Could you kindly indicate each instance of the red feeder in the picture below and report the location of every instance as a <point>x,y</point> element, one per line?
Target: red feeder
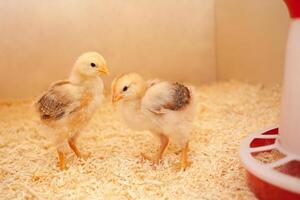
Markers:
<point>280,180</point>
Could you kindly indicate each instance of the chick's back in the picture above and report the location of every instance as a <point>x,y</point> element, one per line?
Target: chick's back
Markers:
<point>165,96</point>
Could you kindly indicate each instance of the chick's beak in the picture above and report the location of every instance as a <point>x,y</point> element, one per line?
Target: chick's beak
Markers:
<point>117,98</point>
<point>103,70</point>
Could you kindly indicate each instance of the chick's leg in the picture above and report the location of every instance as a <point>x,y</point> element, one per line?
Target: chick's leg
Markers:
<point>164,141</point>
<point>61,160</point>
<point>72,144</point>
<point>184,157</point>
<point>61,149</point>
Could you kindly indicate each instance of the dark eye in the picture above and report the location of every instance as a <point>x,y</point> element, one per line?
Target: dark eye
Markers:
<point>93,65</point>
<point>125,89</point>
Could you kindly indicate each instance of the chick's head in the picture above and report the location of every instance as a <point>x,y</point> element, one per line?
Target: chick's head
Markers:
<point>128,87</point>
<point>90,64</point>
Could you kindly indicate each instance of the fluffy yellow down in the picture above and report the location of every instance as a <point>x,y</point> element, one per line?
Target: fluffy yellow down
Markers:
<point>227,112</point>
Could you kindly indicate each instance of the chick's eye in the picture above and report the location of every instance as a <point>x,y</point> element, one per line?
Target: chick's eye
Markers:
<point>125,88</point>
<point>93,65</point>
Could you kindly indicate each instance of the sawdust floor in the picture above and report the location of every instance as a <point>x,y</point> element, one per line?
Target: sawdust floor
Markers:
<point>227,112</point>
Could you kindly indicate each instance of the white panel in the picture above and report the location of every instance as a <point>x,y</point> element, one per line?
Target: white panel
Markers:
<point>39,40</point>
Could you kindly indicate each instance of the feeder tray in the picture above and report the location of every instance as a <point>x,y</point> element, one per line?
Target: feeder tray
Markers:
<point>277,179</point>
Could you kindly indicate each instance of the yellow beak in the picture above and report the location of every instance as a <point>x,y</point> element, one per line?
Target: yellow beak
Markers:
<point>103,71</point>
<point>116,98</point>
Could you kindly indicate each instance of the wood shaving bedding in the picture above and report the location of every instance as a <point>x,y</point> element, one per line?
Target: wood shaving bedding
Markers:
<point>268,156</point>
<point>227,112</point>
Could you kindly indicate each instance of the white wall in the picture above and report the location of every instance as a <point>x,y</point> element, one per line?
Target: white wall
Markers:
<point>251,40</point>
<point>171,39</point>
<point>40,39</point>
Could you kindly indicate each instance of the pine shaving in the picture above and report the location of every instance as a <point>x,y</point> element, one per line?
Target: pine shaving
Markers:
<point>227,113</point>
<point>269,157</point>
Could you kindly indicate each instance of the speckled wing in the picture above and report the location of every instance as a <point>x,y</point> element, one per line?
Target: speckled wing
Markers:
<point>55,103</point>
<point>165,96</point>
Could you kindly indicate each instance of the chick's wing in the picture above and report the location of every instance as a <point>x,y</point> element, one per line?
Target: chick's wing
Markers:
<point>165,96</point>
<point>56,102</point>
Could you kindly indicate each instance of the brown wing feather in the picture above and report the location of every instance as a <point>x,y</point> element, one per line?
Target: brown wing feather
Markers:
<point>52,105</point>
<point>181,97</point>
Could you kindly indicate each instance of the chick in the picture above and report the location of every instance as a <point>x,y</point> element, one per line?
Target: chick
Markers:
<point>68,105</point>
<point>164,108</point>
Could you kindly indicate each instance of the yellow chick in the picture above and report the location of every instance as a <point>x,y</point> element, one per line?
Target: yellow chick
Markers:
<point>164,108</point>
<point>68,105</point>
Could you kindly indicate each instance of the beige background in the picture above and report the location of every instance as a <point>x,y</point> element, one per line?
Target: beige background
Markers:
<point>185,40</point>
<point>251,39</point>
<point>39,40</point>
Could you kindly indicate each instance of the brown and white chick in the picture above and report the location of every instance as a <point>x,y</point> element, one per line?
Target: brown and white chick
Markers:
<point>68,105</point>
<point>164,108</point>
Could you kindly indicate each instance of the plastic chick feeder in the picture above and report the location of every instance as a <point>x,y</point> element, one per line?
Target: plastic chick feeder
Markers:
<point>280,179</point>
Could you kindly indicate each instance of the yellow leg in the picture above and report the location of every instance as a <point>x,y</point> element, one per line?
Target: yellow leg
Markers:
<point>184,157</point>
<point>61,160</point>
<point>73,146</point>
<point>164,141</point>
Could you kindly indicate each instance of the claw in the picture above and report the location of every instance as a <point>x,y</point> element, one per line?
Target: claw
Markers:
<point>185,165</point>
<point>80,155</point>
<point>154,162</point>
<point>85,156</point>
